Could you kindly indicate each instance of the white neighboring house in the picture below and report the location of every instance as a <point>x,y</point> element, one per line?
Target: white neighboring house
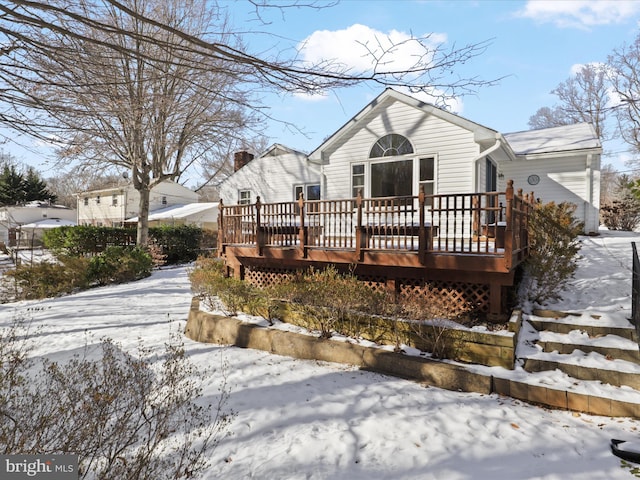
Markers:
<point>399,144</point>
<point>14,218</point>
<point>203,215</point>
<point>278,175</point>
<point>111,207</point>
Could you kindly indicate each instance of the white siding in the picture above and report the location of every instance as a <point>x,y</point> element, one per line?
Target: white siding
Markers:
<point>563,179</point>
<point>452,146</point>
<point>272,178</point>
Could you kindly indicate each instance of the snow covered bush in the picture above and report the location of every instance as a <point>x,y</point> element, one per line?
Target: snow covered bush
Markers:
<point>125,416</point>
<point>554,246</point>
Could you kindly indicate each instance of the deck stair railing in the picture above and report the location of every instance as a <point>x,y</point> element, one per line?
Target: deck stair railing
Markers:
<point>490,223</point>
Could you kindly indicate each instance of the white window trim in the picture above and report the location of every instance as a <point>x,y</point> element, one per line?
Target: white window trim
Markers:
<point>415,188</point>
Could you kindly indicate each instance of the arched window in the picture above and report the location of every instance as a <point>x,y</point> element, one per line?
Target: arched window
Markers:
<point>390,146</point>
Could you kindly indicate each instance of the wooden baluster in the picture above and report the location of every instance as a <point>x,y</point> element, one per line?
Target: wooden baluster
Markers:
<point>260,240</point>
<point>221,228</point>
<point>302,232</point>
<point>360,235</point>
<point>423,242</point>
<point>508,233</point>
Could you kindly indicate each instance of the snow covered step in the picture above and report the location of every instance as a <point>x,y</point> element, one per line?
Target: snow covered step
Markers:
<point>589,367</point>
<point>610,346</point>
<point>593,328</point>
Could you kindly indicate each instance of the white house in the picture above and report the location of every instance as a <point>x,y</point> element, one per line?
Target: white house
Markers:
<point>278,175</point>
<point>398,144</point>
<point>111,207</point>
<point>13,218</point>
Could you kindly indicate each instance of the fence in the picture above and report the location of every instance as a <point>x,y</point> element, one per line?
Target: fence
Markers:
<point>635,290</point>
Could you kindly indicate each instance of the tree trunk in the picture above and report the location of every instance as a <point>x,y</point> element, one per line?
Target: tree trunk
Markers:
<point>142,238</point>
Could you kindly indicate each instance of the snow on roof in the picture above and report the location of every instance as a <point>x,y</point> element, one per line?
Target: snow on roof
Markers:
<point>556,139</point>
<point>48,223</point>
<point>178,211</point>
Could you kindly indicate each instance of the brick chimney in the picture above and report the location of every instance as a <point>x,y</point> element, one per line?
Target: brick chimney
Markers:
<point>240,159</point>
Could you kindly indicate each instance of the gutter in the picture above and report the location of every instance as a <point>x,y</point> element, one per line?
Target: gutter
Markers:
<point>482,155</point>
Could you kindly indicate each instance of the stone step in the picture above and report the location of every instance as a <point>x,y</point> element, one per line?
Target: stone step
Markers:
<point>628,332</point>
<point>613,347</point>
<point>620,372</point>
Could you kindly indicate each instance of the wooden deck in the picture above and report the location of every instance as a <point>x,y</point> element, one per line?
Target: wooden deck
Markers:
<point>473,238</point>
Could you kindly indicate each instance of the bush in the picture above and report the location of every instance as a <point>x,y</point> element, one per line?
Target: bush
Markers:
<point>218,291</point>
<point>554,247</point>
<point>85,240</point>
<point>119,265</point>
<point>125,417</point>
<point>48,279</point>
<point>180,244</point>
<point>335,299</point>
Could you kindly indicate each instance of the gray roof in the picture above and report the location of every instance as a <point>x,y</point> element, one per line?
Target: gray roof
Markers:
<point>580,136</point>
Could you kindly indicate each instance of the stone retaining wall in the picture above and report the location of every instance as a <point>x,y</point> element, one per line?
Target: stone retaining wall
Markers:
<point>209,328</point>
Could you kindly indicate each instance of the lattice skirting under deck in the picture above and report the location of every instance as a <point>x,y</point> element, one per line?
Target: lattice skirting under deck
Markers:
<point>453,299</point>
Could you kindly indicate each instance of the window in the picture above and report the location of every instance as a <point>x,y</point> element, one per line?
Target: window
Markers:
<point>427,177</point>
<point>357,179</point>
<point>86,201</point>
<point>311,191</point>
<point>164,200</point>
<point>114,200</point>
<point>391,145</point>
<point>244,197</point>
<point>98,199</point>
<point>392,179</point>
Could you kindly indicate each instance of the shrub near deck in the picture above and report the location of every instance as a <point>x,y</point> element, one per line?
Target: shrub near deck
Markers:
<point>330,303</point>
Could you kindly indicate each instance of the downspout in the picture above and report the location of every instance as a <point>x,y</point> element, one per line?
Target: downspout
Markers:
<point>482,155</point>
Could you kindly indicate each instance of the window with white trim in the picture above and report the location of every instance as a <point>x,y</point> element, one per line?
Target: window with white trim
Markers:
<point>311,191</point>
<point>357,179</point>
<point>427,177</point>
<point>244,197</point>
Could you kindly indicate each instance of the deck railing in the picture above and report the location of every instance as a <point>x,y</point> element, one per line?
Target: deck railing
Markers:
<point>491,223</point>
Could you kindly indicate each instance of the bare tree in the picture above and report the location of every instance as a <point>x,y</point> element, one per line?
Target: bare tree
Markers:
<point>154,87</point>
<point>583,98</point>
<point>148,107</point>
<point>625,78</point>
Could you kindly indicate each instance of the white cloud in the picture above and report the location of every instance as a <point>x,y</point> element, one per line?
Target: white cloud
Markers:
<point>580,13</point>
<point>356,47</point>
<point>361,49</point>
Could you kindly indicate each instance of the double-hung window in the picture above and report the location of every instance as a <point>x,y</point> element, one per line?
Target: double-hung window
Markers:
<point>244,197</point>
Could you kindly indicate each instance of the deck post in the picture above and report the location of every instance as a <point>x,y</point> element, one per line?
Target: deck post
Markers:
<point>360,237</point>
<point>508,232</point>
<point>495,299</point>
<point>423,245</point>
<point>302,231</point>
<point>260,240</point>
<point>221,232</point>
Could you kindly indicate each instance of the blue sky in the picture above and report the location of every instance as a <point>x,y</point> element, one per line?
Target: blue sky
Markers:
<point>534,46</point>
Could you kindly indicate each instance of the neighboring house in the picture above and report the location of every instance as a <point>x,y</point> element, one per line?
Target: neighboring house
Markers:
<point>398,144</point>
<point>13,218</point>
<point>278,175</point>
<point>111,207</point>
<point>203,215</point>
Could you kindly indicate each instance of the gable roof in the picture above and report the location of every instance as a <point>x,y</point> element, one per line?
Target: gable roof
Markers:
<point>567,138</point>
<point>278,149</point>
<point>387,97</point>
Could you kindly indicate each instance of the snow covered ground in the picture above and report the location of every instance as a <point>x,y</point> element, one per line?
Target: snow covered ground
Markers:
<point>311,420</point>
